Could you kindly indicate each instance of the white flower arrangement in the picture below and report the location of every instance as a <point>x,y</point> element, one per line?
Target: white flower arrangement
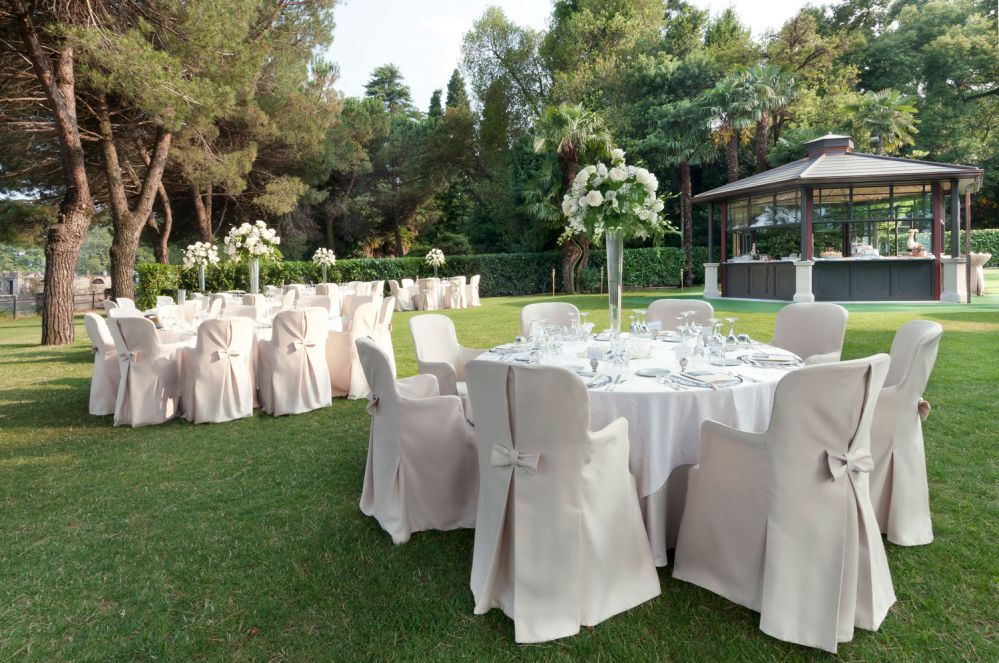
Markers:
<point>435,258</point>
<point>200,253</point>
<point>615,197</point>
<point>251,241</point>
<point>324,257</point>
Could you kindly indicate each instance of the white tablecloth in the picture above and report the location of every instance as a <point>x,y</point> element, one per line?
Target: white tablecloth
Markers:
<point>664,425</point>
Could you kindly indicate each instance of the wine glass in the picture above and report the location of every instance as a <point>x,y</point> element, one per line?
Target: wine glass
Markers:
<point>745,342</point>
<point>731,340</point>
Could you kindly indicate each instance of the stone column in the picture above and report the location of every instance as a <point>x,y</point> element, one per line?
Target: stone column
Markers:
<point>803,281</point>
<point>951,290</point>
<point>711,281</point>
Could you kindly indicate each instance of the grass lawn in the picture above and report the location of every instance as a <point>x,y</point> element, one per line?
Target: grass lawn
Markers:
<point>244,541</point>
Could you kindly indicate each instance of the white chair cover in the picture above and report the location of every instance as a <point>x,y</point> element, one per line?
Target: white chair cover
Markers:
<point>978,262</point>
<point>324,302</point>
<point>408,283</point>
<point>190,309</point>
<point>292,371</point>
<point>119,312</point>
<point>472,291</point>
<point>361,288</point>
<point>106,375</point>
<point>812,330</point>
<point>241,311</point>
<point>109,305</point>
<point>438,353</point>
<point>383,330</point>
<point>559,539</point>
<point>558,314</point>
<point>125,302</point>
<point>355,302</point>
<point>428,297</point>
<point>665,312</point>
<point>377,289</point>
<point>256,300</point>
<point>345,372</point>
<point>217,373</point>
<point>404,299</point>
<point>899,488</point>
<point>163,300</point>
<point>215,306</point>
<point>149,379</point>
<point>454,292</point>
<point>422,470</point>
<point>781,522</point>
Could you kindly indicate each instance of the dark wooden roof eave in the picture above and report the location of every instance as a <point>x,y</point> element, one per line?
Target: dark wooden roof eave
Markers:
<point>796,182</point>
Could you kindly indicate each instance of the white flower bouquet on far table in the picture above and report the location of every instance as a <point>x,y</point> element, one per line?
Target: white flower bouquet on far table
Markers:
<point>200,255</point>
<point>252,243</point>
<point>613,204</point>
<point>435,258</point>
<point>325,259</point>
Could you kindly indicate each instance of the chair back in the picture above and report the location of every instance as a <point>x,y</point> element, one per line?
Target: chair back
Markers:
<point>189,310</point>
<point>811,328</point>
<point>125,302</point>
<point>100,335</point>
<point>558,314</point>
<point>913,354</point>
<point>666,311</point>
<point>257,300</point>
<point>328,289</point>
<point>393,287</point>
<point>289,298</point>
<point>169,315</point>
<point>377,288</point>
<point>378,373</point>
<point>408,283</point>
<point>124,313</point>
<point>109,305</point>
<point>434,338</point>
<point>364,319</point>
<point>362,289</point>
<point>221,367</point>
<point>297,374</point>
<point>429,294</point>
<point>240,311</point>
<point>163,300</point>
<point>385,311</point>
<point>818,455</point>
<point>474,281</point>
<point>136,335</point>
<point>324,302</point>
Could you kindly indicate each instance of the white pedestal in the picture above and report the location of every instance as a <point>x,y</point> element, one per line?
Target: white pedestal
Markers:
<point>952,290</point>
<point>711,290</point>
<point>803,281</point>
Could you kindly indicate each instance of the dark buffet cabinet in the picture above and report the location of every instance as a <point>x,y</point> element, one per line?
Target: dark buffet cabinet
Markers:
<point>759,280</point>
<point>886,279</point>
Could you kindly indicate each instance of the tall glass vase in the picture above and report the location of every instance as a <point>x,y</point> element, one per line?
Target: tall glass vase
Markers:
<point>614,241</point>
<point>435,271</point>
<point>324,272</point>
<point>201,278</point>
<point>254,276</point>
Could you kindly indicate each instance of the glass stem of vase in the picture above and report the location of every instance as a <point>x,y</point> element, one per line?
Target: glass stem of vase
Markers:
<point>614,241</point>
<point>254,276</point>
<point>201,278</point>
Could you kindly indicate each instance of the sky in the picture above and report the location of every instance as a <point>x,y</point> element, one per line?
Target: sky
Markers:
<point>423,37</point>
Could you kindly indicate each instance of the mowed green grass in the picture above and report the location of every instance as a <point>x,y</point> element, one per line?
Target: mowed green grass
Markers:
<point>244,541</point>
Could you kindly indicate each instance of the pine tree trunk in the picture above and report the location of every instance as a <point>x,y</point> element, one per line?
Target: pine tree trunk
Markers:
<point>762,146</point>
<point>687,212</point>
<point>62,250</point>
<point>162,247</point>
<point>570,252</point>
<point>584,258</point>
<point>203,210</point>
<point>732,156</point>
<point>398,239</point>
<point>123,249</point>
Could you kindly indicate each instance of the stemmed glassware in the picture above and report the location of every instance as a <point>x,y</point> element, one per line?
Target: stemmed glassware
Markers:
<point>731,340</point>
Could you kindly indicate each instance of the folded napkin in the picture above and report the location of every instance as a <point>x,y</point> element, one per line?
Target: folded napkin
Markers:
<point>599,381</point>
<point>708,377</point>
<point>770,358</point>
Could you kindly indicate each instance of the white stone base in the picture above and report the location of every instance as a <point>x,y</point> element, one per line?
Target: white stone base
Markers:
<point>711,290</point>
<point>803,281</point>
<point>953,290</point>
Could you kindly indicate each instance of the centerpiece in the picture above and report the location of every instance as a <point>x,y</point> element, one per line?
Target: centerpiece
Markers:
<point>611,204</point>
<point>435,258</point>
<point>200,255</point>
<point>252,243</point>
<point>325,259</point>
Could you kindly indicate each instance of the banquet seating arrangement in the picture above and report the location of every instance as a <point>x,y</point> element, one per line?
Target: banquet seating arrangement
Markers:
<point>899,488</point>
<point>439,353</point>
<point>345,372</point>
<point>978,262</point>
<point>217,373</point>
<point>422,468</point>
<point>812,330</point>
<point>472,291</point>
<point>781,522</point>
<point>104,381</point>
<point>559,539</point>
<point>405,297</point>
<point>557,314</point>
<point>429,294</point>
<point>666,312</point>
<point>149,383</point>
<point>292,370</point>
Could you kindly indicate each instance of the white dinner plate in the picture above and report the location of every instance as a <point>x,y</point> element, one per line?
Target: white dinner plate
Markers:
<point>651,372</point>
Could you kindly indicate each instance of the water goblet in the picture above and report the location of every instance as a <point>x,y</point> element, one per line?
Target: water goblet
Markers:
<point>731,340</point>
<point>745,342</point>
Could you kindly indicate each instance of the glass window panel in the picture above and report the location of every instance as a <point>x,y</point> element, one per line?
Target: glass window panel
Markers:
<point>761,212</point>
<point>832,205</point>
<point>778,243</point>
<point>788,208</point>
<point>871,203</point>
<point>737,213</point>
<point>913,201</point>
<point>827,238</point>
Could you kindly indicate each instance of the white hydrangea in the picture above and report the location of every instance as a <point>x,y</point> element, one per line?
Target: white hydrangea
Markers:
<point>251,241</point>
<point>200,253</point>
<point>324,256</point>
<point>435,258</point>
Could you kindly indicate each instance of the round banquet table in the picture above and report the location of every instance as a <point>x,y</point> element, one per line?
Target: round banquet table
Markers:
<point>664,424</point>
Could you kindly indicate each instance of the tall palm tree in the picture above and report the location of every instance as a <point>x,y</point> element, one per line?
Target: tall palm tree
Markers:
<point>731,107</point>
<point>772,90</point>
<point>682,140</point>
<point>890,118</point>
<point>575,135</point>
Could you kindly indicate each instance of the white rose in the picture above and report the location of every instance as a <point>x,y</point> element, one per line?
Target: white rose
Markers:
<point>601,170</point>
<point>618,174</point>
<point>581,177</point>
<point>582,202</point>
<point>594,198</point>
<point>567,207</point>
<point>617,154</point>
<point>658,205</point>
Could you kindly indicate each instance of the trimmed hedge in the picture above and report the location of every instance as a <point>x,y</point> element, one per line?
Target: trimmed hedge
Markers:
<point>503,274</point>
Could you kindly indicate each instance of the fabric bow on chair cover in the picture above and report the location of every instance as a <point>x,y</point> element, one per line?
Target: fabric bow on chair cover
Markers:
<point>899,487</point>
<point>559,538</point>
<point>781,522</point>
<point>421,470</point>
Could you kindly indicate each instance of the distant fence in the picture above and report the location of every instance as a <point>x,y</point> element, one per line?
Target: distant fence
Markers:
<point>23,305</point>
